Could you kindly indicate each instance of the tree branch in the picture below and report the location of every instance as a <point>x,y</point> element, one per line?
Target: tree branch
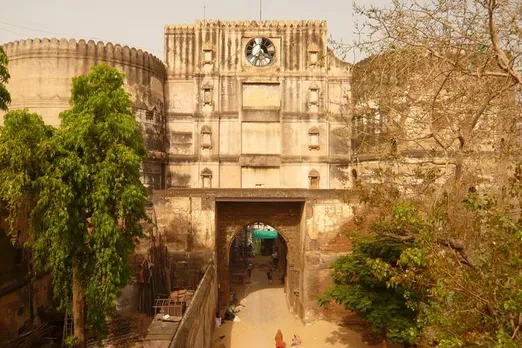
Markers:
<point>502,59</point>
<point>453,244</point>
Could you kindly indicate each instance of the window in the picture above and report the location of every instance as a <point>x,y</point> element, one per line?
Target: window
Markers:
<point>314,58</point>
<point>207,56</point>
<point>314,96</point>
<point>313,141</point>
<point>206,178</point>
<point>206,137</point>
<point>313,176</point>
<point>207,96</point>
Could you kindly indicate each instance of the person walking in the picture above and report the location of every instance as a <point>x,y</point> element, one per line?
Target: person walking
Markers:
<point>279,339</point>
<point>249,270</point>
<point>269,275</point>
<point>275,259</point>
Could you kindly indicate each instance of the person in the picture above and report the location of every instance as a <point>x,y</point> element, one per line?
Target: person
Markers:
<point>269,275</point>
<point>233,298</point>
<point>282,277</point>
<point>279,339</point>
<point>249,270</point>
<point>296,341</point>
<point>275,259</point>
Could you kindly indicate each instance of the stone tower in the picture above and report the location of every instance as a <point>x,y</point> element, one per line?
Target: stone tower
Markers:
<point>255,104</point>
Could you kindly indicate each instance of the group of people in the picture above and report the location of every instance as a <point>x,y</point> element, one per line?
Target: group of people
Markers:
<point>296,341</point>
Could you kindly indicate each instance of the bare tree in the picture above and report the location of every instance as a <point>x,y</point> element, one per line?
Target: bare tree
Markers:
<point>437,117</point>
<point>442,81</point>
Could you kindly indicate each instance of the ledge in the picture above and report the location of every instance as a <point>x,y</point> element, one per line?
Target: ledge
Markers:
<point>260,161</point>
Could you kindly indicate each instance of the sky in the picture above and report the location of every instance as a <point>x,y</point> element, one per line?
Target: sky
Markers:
<point>140,24</point>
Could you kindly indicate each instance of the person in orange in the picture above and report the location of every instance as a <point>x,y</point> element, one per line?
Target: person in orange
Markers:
<point>279,339</point>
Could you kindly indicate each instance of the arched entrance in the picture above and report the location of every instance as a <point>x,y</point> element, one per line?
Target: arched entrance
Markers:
<point>233,218</point>
<point>257,254</point>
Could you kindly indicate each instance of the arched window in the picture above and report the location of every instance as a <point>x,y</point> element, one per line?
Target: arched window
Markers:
<point>207,95</point>
<point>314,96</point>
<point>206,137</point>
<point>313,177</point>
<point>206,178</point>
<point>313,138</point>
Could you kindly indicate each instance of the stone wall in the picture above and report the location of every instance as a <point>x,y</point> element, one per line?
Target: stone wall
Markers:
<point>185,222</point>
<point>324,220</point>
<point>15,304</point>
<point>41,77</point>
<point>195,329</point>
<point>201,222</point>
<point>248,126</point>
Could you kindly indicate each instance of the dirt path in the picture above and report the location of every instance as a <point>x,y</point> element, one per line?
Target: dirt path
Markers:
<point>266,311</point>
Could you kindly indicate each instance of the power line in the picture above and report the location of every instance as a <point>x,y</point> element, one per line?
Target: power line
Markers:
<point>155,52</point>
<point>43,30</point>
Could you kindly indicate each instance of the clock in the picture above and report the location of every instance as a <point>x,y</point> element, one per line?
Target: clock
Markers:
<point>260,51</point>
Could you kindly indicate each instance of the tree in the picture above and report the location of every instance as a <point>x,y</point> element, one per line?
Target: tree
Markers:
<point>89,200</point>
<point>438,103</point>
<point>23,160</point>
<point>391,312</point>
<point>441,83</point>
<point>5,98</point>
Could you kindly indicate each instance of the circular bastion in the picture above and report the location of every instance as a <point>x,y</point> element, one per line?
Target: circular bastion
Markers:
<point>41,76</point>
<point>42,71</point>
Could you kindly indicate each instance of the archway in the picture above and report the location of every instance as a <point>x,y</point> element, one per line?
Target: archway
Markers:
<point>286,218</point>
<point>257,254</point>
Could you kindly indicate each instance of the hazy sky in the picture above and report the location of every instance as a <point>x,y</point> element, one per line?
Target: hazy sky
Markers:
<point>140,23</point>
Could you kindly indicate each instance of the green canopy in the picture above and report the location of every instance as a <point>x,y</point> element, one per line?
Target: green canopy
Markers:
<point>265,234</point>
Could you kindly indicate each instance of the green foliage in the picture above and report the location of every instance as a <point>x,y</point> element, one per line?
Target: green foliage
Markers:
<point>24,141</point>
<point>70,341</point>
<point>360,284</point>
<point>5,98</point>
<point>457,266</point>
<point>88,197</point>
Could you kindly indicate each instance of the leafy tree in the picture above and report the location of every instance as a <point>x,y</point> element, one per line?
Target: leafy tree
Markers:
<point>363,280</point>
<point>5,98</point>
<point>358,289</point>
<point>89,200</point>
<point>24,140</point>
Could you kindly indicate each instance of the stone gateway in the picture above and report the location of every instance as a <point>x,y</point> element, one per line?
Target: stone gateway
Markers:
<point>244,121</point>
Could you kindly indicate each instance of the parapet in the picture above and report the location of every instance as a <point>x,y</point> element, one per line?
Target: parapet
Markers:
<point>99,51</point>
<point>247,24</point>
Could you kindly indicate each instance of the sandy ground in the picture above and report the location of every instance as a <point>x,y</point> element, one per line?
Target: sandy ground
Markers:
<point>266,311</point>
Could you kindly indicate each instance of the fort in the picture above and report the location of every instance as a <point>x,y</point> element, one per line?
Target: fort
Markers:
<point>244,121</point>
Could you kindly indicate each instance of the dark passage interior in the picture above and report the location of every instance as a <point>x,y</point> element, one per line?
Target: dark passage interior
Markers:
<point>258,236</point>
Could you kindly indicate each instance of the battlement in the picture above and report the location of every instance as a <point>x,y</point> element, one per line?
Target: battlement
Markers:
<point>107,52</point>
<point>247,24</point>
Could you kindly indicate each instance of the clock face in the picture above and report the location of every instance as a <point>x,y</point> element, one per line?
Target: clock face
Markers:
<point>260,51</point>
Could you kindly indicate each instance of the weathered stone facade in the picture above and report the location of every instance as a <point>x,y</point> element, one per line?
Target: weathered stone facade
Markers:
<point>244,122</point>
<point>309,221</point>
<point>209,117</point>
<point>239,125</point>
